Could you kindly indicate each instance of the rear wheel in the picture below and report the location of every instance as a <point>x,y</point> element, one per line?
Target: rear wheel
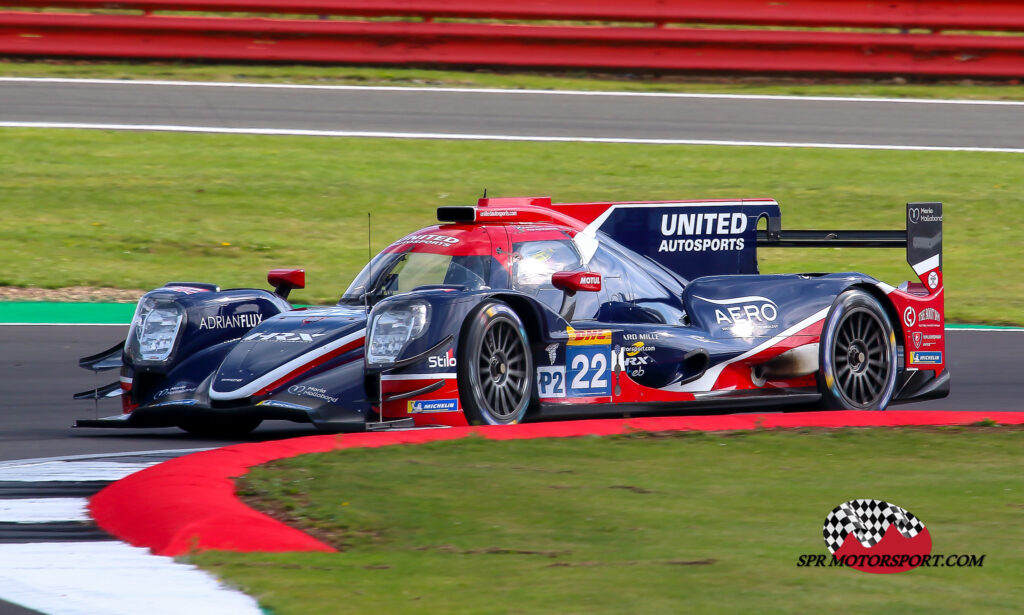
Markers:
<point>495,367</point>
<point>220,428</point>
<point>857,355</point>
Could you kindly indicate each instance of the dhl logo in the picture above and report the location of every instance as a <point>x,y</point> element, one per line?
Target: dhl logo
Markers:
<point>589,337</point>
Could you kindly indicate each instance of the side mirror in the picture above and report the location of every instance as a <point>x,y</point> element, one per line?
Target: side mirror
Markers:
<point>575,281</point>
<point>284,280</point>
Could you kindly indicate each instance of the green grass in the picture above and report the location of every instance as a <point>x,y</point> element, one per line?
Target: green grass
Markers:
<point>686,523</point>
<point>414,77</point>
<point>136,210</point>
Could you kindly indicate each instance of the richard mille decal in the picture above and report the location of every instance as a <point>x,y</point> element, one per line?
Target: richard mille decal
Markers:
<point>631,337</point>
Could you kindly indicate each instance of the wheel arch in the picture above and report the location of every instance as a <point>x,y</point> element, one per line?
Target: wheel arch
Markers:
<point>527,312</point>
<point>887,307</point>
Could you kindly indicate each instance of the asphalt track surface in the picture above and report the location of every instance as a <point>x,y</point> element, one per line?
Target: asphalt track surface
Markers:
<point>471,113</point>
<point>39,372</point>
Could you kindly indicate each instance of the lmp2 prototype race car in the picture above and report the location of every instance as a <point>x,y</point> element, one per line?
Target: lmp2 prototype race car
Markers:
<point>520,309</point>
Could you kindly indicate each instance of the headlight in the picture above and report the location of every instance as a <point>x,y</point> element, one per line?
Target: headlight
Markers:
<point>154,330</point>
<point>392,330</point>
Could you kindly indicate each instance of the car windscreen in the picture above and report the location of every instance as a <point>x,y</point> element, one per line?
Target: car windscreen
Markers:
<point>390,273</point>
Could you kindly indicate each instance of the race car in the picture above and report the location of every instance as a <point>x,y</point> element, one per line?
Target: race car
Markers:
<point>520,309</point>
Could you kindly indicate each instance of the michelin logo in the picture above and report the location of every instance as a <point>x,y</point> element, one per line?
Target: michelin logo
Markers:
<point>424,406</point>
<point>721,225</point>
<point>925,357</point>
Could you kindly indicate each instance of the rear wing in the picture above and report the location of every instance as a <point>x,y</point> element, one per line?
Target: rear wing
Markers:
<point>713,237</point>
<point>922,240</point>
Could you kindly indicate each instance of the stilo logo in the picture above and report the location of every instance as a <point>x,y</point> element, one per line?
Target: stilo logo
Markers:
<point>444,360</point>
<point>876,536</point>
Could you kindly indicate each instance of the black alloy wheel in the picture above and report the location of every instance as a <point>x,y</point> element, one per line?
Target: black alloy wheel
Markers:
<point>858,354</point>
<point>495,369</point>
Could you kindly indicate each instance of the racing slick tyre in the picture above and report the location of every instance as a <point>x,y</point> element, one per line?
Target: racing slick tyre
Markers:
<point>220,428</point>
<point>857,354</point>
<point>495,367</point>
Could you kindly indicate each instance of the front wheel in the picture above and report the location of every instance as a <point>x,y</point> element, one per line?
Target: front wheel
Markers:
<point>857,354</point>
<point>495,367</point>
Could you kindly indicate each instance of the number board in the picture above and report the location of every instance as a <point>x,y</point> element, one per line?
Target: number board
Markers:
<point>551,381</point>
<point>587,361</point>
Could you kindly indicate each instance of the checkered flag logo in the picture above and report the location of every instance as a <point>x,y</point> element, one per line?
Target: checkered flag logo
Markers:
<point>867,521</point>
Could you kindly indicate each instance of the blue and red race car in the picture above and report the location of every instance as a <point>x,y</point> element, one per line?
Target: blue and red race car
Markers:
<point>518,309</point>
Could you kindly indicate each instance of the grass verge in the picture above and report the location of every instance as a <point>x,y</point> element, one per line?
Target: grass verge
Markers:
<point>580,80</point>
<point>701,523</point>
<point>136,210</point>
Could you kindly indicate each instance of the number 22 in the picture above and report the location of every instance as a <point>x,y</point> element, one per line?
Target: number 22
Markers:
<point>582,364</point>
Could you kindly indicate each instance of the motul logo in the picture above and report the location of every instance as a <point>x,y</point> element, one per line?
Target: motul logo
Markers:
<point>590,279</point>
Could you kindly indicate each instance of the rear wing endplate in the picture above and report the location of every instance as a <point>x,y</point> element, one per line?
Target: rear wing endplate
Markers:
<point>922,237</point>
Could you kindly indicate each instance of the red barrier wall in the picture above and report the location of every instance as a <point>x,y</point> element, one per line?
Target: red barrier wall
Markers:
<point>610,46</point>
<point>928,14</point>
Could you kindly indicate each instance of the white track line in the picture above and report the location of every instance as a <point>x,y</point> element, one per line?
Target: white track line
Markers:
<point>85,578</point>
<point>43,510</point>
<point>92,456</point>
<point>484,137</point>
<point>33,471</point>
<point>110,577</point>
<point>504,91</point>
